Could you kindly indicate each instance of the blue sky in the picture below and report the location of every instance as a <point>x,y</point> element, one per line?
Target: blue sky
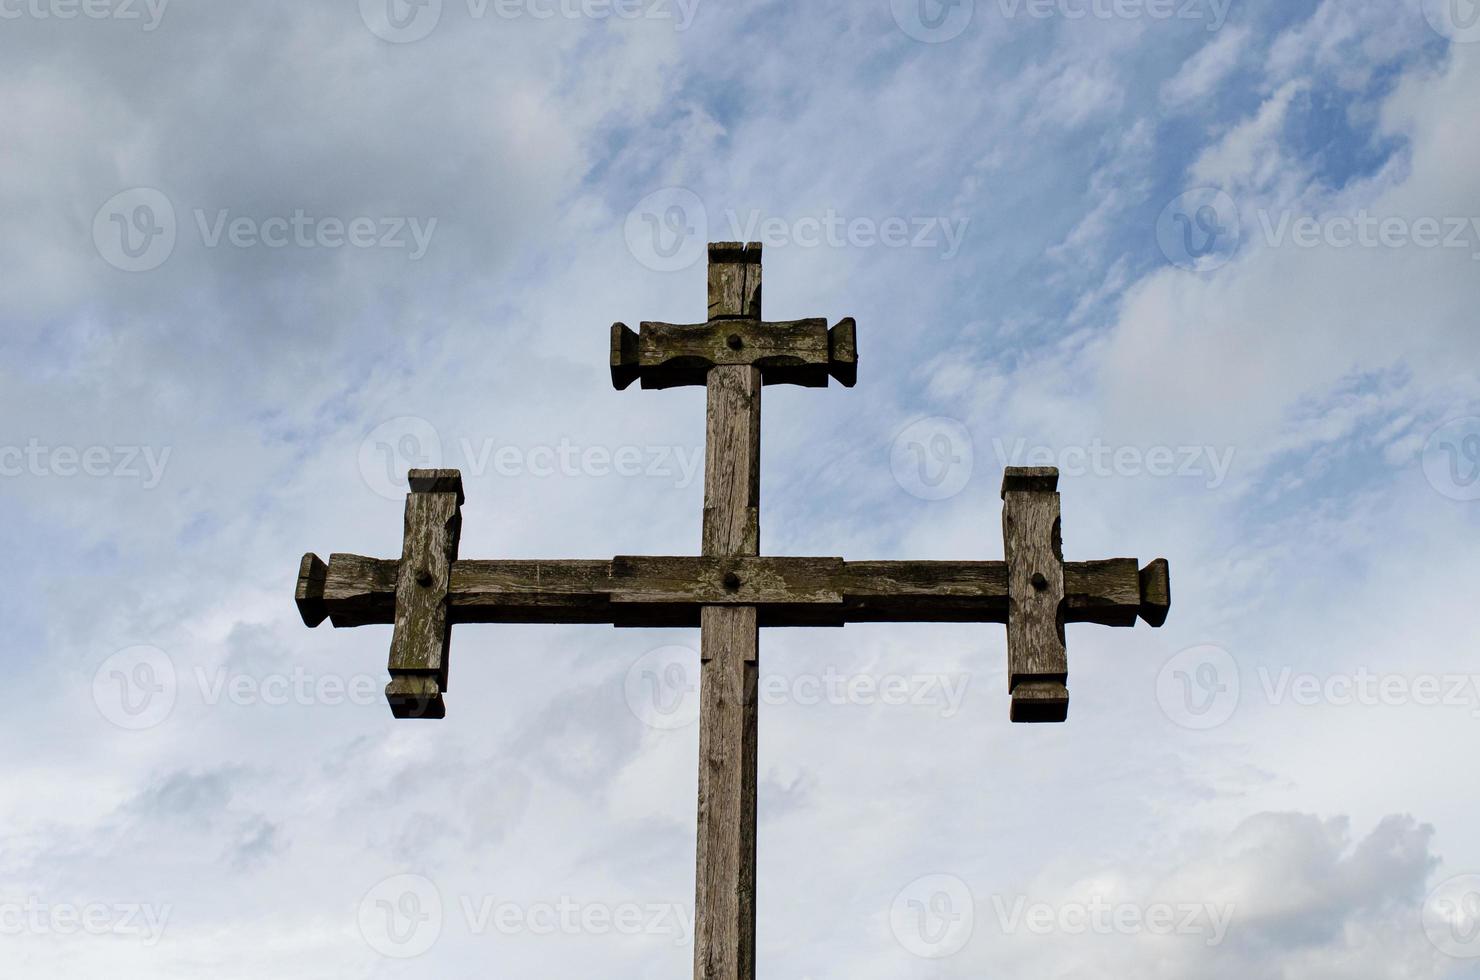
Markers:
<point>1214,258</point>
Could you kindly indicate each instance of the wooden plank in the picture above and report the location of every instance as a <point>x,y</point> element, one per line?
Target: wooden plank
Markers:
<point>724,913</point>
<point>732,461</point>
<point>1106,592</point>
<point>734,280</point>
<point>1038,664</point>
<point>672,355</point>
<point>796,352</point>
<point>724,946</point>
<point>359,591</point>
<point>423,628</point>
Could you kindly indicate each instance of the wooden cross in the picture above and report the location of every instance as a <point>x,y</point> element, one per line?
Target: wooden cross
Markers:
<point>730,591</point>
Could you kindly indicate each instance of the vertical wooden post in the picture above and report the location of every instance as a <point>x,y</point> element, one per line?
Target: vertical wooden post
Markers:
<point>422,638</point>
<point>1037,662</point>
<point>724,914</point>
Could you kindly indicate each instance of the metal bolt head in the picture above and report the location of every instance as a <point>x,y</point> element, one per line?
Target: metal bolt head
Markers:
<point>735,341</point>
<point>732,581</point>
<point>1040,581</point>
<point>424,578</point>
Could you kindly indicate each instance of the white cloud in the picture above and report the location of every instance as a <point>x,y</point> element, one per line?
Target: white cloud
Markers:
<point>1206,70</point>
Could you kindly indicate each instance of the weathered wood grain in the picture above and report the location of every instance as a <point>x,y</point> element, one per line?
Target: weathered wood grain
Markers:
<point>310,591</point>
<point>797,352</point>
<point>735,280</point>
<point>732,461</point>
<point>724,914</point>
<point>729,591</point>
<point>423,629</point>
<point>843,352</point>
<point>1038,664</point>
<point>788,592</point>
<point>724,939</point>
<point>1156,592</point>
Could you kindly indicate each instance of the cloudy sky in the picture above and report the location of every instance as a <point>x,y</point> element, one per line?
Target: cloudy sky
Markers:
<point>1215,259</point>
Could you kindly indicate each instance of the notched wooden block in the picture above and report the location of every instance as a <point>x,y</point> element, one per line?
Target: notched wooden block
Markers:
<point>1040,703</point>
<point>1156,592</point>
<point>1030,479</point>
<point>626,366</point>
<point>749,252</point>
<point>437,481</point>
<point>842,352</point>
<point>416,698</point>
<point>734,280</point>
<point>310,592</point>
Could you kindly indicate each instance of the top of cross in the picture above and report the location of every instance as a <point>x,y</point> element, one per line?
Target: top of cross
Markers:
<point>796,352</point>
